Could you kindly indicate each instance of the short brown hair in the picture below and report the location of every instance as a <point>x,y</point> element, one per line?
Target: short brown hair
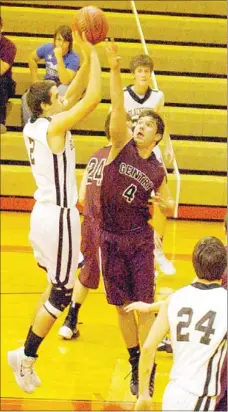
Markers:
<point>141,60</point>
<point>209,258</point>
<point>159,121</point>
<point>39,93</point>
<point>107,123</point>
<point>66,33</point>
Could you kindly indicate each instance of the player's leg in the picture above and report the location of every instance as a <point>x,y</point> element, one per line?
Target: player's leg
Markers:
<point>57,255</point>
<point>159,223</point>
<point>142,269</point>
<point>129,330</point>
<point>88,278</point>
<point>117,288</point>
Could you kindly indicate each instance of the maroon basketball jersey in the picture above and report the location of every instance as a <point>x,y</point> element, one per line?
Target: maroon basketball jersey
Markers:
<point>95,169</point>
<point>127,185</point>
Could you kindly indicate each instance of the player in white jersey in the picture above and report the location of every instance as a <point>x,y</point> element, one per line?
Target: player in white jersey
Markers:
<point>196,316</point>
<point>55,222</point>
<point>138,97</point>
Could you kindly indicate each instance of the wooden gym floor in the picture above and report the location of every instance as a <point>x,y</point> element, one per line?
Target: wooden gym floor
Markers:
<point>88,373</point>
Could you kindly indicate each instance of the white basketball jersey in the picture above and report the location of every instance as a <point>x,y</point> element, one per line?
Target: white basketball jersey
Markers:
<point>135,104</point>
<point>198,325</point>
<point>54,173</point>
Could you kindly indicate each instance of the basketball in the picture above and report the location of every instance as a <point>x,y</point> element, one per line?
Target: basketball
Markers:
<point>93,22</point>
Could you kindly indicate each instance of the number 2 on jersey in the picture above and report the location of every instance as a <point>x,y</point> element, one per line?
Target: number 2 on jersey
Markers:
<point>31,150</point>
<point>95,170</point>
<point>207,329</point>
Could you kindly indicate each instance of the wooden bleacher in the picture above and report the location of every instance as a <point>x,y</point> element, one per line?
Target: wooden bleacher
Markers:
<point>187,43</point>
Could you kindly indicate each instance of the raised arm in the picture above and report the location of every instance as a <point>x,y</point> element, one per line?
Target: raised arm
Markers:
<point>80,81</point>
<point>66,120</point>
<point>118,126</point>
<point>168,152</point>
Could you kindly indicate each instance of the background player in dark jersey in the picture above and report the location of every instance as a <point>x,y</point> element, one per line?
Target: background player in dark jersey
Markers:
<point>131,174</point>
<point>89,198</point>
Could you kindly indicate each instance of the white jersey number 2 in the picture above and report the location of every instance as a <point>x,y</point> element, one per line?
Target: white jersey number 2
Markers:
<point>31,151</point>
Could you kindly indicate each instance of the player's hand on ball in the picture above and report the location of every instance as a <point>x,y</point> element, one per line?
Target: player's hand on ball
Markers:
<point>143,404</point>
<point>81,41</point>
<point>58,52</point>
<point>140,306</point>
<point>111,50</point>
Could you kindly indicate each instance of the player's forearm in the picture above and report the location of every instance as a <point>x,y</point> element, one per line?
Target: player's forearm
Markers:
<point>64,76</point>
<point>116,89</point>
<point>33,66</point>
<point>167,140</point>
<point>146,363</point>
<point>93,91</point>
<point>79,83</point>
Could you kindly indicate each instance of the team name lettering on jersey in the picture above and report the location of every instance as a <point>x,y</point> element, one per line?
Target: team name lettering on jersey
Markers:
<point>136,111</point>
<point>136,174</point>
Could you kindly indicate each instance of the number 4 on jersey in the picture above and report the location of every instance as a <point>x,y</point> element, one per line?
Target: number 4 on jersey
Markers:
<point>129,193</point>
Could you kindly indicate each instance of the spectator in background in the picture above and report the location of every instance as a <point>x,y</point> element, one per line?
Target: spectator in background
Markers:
<point>61,64</point>
<point>7,84</point>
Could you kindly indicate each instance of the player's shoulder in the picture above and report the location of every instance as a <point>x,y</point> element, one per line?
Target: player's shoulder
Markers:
<point>180,292</point>
<point>101,152</point>
<point>158,92</point>
<point>127,88</point>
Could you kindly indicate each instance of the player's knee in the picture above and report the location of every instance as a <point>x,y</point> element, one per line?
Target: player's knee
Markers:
<point>58,300</point>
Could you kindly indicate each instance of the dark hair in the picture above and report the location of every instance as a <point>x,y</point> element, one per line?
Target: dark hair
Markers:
<point>107,124</point>
<point>66,34</point>
<point>209,258</point>
<point>159,121</point>
<point>39,93</point>
<point>141,60</point>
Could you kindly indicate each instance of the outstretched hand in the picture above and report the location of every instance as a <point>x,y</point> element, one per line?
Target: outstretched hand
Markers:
<point>140,306</point>
<point>111,50</point>
<point>82,42</point>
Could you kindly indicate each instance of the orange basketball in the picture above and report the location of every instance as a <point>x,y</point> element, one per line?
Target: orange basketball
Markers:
<point>92,20</point>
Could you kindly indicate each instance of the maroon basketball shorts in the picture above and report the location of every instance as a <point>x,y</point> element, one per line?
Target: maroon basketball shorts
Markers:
<point>90,242</point>
<point>128,266</point>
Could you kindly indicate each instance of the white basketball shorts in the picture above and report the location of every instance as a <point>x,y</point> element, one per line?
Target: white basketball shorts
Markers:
<point>55,235</point>
<point>176,398</point>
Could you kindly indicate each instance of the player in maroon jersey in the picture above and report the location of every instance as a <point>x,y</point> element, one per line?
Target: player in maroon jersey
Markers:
<point>89,198</point>
<point>132,173</point>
